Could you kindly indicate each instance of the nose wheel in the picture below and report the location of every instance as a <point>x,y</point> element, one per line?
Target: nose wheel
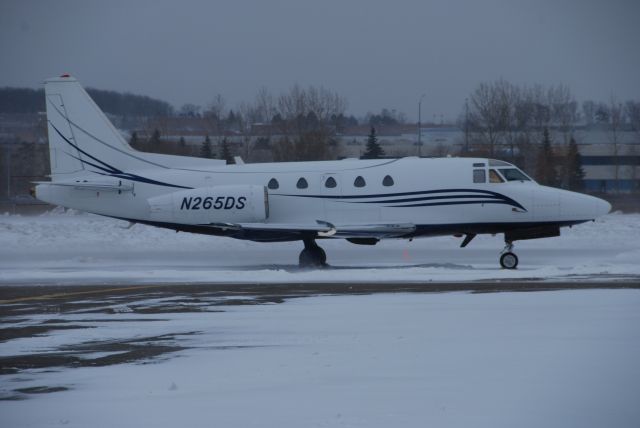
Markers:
<point>508,259</point>
<point>312,256</point>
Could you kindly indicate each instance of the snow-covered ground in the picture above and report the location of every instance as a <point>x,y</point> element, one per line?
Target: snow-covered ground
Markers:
<point>544,359</point>
<point>83,248</point>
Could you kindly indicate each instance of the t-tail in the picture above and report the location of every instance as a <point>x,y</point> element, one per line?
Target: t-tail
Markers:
<point>82,141</point>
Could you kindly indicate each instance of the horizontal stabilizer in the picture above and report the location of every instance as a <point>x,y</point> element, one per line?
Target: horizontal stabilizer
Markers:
<point>93,185</point>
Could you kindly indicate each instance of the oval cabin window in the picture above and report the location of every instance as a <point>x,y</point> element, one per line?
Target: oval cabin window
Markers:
<point>359,182</point>
<point>330,183</point>
<point>388,181</point>
<point>273,184</point>
<point>302,183</point>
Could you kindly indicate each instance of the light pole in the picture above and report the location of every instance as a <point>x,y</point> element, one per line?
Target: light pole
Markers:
<point>420,125</point>
<point>466,126</point>
<point>8,171</point>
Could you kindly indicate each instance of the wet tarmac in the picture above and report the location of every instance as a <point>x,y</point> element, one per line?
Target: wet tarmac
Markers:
<point>31,312</point>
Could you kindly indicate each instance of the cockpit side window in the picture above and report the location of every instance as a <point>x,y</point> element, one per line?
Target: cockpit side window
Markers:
<point>479,176</point>
<point>494,177</point>
<point>513,174</point>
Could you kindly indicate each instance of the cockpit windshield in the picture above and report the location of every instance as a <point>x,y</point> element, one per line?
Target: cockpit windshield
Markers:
<point>513,174</point>
<point>499,172</point>
<point>494,177</point>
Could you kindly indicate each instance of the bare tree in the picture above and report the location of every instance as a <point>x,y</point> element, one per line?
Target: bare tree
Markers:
<point>564,116</point>
<point>247,115</point>
<point>616,114</point>
<point>563,110</point>
<point>589,112</point>
<point>283,149</point>
<point>305,118</point>
<point>546,173</point>
<point>510,97</point>
<point>505,116</point>
<point>214,115</point>
<point>632,111</point>
<point>265,105</point>
<point>523,116</point>
<point>542,111</point>
<point>602,114</point>
<point>488,114</point>
<point>189,110</point>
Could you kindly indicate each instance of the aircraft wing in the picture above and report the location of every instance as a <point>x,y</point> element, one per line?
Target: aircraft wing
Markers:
<point>326,229</point>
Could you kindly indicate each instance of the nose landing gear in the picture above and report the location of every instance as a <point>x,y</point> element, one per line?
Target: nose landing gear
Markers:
<point>508,259</point>
<point>312,256</point>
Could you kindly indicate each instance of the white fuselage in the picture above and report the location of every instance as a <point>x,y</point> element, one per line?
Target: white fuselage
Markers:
<point>423,191</point>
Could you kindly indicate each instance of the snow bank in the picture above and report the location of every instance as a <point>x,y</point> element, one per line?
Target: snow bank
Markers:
<point>83,248</point>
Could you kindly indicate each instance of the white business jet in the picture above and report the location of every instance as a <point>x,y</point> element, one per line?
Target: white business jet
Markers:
<point>363,201</point>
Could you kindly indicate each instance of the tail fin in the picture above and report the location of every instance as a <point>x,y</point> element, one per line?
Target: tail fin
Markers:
<point>81,138</point>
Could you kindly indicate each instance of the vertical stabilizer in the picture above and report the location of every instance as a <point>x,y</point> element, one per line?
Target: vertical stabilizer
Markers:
<point>81,138</point>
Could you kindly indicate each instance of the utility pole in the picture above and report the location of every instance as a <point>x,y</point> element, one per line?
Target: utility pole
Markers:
<point>8,154</point>
<point>420,125</point>
<point>466,125</point>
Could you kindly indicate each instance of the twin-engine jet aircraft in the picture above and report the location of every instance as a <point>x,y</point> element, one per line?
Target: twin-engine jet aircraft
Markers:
<point>363,201</point>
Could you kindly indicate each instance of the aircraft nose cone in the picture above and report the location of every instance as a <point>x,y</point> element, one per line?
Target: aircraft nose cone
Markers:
<point>602,207</point>
<point>580,206</point>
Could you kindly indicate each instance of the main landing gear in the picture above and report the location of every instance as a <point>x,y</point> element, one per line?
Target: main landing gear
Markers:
<point>508,259</point>
<point>312,256</point>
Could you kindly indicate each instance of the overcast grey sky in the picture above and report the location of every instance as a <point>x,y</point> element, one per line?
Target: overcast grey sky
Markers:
<point>376,53</point>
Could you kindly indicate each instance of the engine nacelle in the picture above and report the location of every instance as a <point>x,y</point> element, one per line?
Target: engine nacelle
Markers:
<point>216,204</point>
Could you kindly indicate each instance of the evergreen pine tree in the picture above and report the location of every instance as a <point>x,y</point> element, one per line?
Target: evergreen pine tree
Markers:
<point>205,149</point>
<point>182,146</point>
<point>545,165</point>
<point>575,173</point>
<point>373,149</point>
<point>134,139</point>
<point>225,152</point>
<point>154,141</point>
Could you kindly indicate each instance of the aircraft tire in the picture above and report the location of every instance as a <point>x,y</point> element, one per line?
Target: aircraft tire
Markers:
<point>312,256</point>
<point>323,256</point>
<point>509,260</point>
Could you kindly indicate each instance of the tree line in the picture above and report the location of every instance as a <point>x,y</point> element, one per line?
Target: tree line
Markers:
<point>534,126</point>
<point>301,123</point>
<point>31,101</point>
<point>531,126</point>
